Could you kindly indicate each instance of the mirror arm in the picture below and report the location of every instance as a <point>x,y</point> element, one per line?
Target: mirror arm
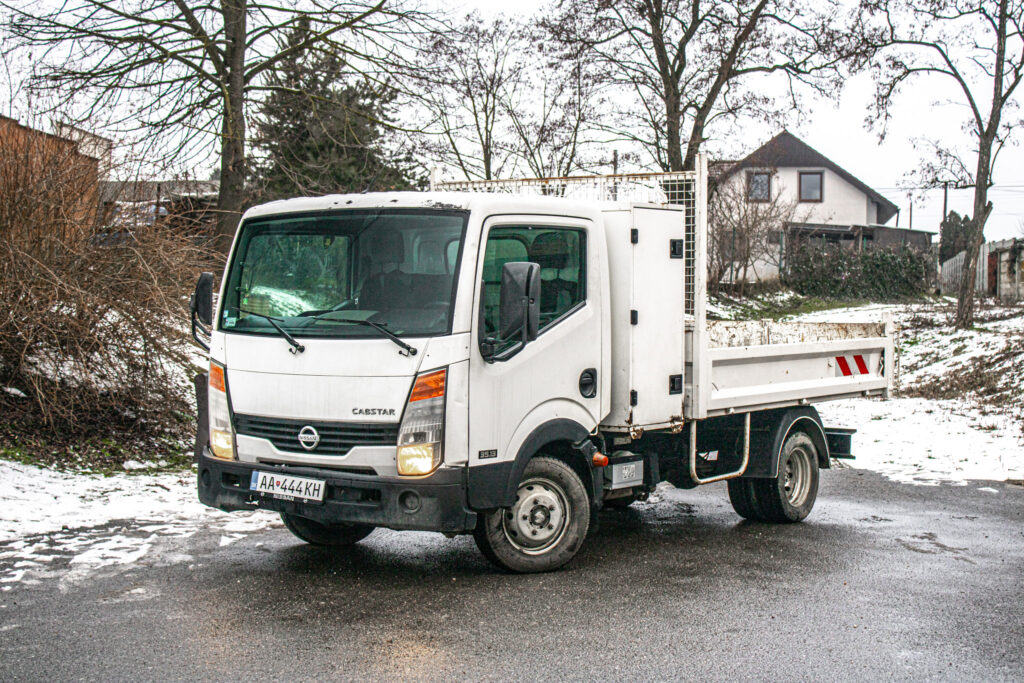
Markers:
<point>526,320</point>
<point>196,328</point>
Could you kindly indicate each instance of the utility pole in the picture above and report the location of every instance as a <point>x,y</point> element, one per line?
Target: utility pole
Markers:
<point>945,200</point>
<point>615,172</point>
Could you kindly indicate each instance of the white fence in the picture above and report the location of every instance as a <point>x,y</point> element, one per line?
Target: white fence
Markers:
<point>656,188</point>
<point>952,273</point>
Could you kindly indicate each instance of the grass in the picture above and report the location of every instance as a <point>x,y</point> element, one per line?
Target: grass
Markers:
<point>165,451</point>
<point>775,308</point>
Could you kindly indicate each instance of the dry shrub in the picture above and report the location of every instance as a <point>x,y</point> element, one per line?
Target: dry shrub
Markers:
<point>93,336</point>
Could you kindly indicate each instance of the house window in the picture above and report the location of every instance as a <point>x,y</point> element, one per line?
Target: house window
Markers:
<point>759,186</point>
<point>810,186</point>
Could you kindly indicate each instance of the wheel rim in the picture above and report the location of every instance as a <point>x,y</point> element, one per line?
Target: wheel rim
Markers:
<point>797,482</point>
<point>538,519</point>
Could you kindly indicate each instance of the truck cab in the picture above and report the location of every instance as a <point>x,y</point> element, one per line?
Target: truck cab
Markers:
<point>470,363</point>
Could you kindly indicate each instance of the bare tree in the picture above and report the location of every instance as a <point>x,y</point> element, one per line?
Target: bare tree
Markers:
<point>554,118</point>
<point>174,66</point>
<point>499,101</point>
<point>976,49</point>
<point>745,235</point>
<point>466,77</point>
<point>686,63</point>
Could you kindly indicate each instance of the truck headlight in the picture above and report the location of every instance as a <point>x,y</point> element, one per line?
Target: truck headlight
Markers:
<point>421,434</point>
<point>222,436</point>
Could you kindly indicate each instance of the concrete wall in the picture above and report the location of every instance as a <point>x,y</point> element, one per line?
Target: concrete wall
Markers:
<point>1010,278</point>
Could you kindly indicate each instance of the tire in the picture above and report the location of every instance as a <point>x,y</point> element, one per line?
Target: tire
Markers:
<point>546,526</point>
<point>741,495</point>
<point>327,535</point>
<point>791,495</point>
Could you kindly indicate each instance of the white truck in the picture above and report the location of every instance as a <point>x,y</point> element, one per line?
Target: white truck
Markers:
<point>503,363</point>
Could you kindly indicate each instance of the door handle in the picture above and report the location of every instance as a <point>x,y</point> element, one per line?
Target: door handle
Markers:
<point>588,383</point>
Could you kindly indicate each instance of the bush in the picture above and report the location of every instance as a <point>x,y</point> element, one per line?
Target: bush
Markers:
<point>878,274</point>
<point>93,336</point>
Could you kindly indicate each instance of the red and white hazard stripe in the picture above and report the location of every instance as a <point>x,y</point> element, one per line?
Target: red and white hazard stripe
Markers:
<point>845,367</point>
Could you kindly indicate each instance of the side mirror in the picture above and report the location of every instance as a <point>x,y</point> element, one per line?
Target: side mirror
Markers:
<point>519,310</point>
<point>200,307</point>
<point>201,304</point>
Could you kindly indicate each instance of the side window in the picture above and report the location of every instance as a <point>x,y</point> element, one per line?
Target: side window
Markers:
<point>561,254</point>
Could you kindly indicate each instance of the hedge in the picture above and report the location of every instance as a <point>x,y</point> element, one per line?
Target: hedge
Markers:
<point>878,274</point>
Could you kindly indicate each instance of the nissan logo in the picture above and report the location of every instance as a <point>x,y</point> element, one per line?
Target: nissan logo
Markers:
<point>309,437</point>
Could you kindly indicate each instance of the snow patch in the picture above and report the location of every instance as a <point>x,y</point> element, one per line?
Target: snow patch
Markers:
<point>67,526</point>
<point>926,442</point>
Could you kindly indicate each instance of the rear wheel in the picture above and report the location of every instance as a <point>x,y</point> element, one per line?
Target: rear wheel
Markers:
<point>791,495</point>
<point>546,525</point>
<point>741,495</point>
<point>330,535</point>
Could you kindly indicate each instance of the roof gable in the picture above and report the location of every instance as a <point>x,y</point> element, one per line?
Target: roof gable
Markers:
<point>787,150</point>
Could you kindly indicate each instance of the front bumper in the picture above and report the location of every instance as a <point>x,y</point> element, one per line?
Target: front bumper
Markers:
<point>433,503</point>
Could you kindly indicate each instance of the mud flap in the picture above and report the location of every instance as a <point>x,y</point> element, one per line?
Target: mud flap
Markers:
<point>202,385</point>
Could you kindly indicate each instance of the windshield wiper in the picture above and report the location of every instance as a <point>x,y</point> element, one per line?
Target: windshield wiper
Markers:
<point>296,347</point>
<point>407,350</point>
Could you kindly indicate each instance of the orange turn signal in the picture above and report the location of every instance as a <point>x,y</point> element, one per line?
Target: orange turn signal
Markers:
<point>600,460</point>
<point>217,378</point>
<point>428,386</point>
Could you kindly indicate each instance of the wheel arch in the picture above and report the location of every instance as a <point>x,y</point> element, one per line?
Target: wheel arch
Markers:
<point>779,425</point>
<point>555,437</point>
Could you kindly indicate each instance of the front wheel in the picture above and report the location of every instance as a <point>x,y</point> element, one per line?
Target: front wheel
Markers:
<point>329,535</point>
<point>545,526</point>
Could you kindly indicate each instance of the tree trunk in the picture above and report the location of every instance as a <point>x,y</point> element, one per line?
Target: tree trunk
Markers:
<point>725,72</point>
<point>231,197</point>
<point>673,130</point>
<point>982,208</point>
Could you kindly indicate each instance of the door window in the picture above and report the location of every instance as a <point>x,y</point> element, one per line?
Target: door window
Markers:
<point>561,254</point>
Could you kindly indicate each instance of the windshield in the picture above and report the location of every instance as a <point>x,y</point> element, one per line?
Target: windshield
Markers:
<point>314,274</point>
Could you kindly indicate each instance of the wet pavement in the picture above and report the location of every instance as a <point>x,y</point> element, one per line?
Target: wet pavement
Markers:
<point>883,581</point>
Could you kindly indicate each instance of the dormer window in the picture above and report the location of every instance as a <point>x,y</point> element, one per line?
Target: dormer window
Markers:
<point>759,186</point>
<point>811,186</point>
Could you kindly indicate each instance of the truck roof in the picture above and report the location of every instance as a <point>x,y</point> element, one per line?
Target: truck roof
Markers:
<point>468,201</point>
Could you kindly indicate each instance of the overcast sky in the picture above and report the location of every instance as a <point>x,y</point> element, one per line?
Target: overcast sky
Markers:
<point>837,130</point>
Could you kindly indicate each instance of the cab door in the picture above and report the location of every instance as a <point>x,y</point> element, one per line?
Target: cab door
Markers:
<point>558,374</point>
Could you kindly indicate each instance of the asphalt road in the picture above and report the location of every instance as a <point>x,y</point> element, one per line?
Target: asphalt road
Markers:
<point>883,581</point>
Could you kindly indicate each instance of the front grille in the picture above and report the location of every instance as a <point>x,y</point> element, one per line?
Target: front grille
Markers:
<point>336,438</point>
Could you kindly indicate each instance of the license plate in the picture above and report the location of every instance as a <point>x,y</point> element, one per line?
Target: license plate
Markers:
<point>287,487</point>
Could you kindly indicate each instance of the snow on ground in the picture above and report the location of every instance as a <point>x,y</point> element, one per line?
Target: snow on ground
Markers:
<point>38,500</point>
<point>88,522</point>
<point>921,441</point>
